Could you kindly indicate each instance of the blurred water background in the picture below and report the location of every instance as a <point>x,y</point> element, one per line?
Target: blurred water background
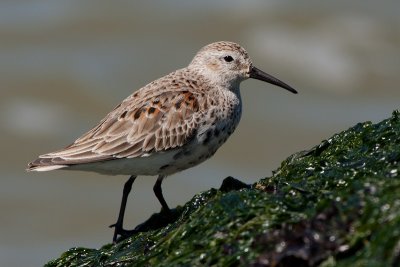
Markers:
<point>65,64</point>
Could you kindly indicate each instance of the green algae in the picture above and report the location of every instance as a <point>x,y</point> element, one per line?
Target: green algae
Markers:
<point>334,205</point>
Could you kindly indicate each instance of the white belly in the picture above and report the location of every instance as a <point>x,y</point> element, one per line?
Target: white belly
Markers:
<point>165,163</point>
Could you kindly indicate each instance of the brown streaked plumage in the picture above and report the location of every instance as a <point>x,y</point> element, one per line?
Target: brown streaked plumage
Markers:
<point>169,125</point>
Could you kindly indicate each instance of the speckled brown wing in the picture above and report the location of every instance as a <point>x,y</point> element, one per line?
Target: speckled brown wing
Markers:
<point>137,127</point>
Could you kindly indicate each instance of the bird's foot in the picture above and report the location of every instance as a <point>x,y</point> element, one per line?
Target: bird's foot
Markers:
<point>156,221</point>
<point>120,233</point>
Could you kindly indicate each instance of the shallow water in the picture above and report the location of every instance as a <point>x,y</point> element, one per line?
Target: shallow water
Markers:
<point>65,65</point>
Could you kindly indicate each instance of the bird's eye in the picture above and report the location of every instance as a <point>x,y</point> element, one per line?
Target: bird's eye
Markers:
<point>228,58</point>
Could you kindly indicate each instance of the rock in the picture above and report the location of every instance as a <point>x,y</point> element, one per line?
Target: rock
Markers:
<point>336,204</point>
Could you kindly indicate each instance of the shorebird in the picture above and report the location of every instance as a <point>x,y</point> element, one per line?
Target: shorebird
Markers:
<point>167,126</point>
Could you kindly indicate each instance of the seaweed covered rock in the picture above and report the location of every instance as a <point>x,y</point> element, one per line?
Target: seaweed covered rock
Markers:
<point>335,205</point>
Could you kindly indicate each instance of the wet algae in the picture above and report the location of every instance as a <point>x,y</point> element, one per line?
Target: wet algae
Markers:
<point>336,204</point>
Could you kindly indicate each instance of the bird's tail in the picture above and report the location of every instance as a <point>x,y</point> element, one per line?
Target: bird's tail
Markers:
<point>44,164</point>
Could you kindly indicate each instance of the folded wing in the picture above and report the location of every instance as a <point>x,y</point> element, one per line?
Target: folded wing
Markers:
<point>137,127</point>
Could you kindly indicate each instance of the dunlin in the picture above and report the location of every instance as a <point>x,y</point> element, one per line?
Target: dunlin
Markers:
<point>167,126</point>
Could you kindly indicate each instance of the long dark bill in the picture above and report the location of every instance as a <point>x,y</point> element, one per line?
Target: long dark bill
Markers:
<point>262,76</point>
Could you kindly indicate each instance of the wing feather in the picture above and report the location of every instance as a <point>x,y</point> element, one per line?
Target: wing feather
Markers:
<point>138,126</point>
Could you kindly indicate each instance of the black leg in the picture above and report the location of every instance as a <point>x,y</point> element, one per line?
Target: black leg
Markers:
<point>158,192</point>
<point>119,230</point>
